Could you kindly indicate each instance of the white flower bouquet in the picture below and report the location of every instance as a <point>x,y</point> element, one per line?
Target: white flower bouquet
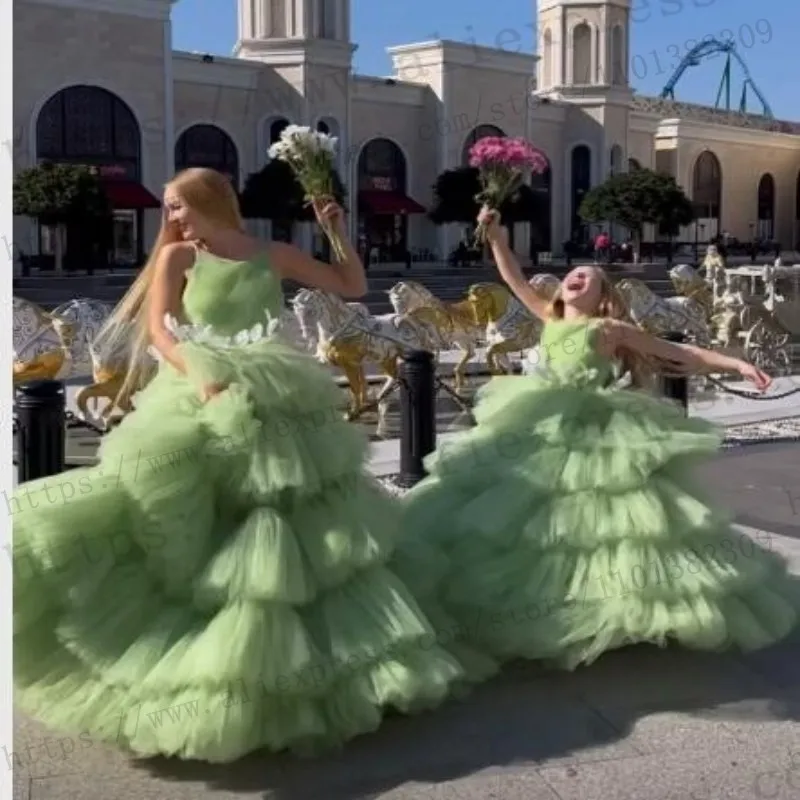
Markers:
<point>312,157</point>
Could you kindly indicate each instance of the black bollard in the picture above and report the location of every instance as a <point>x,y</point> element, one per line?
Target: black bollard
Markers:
<point>42,431</point>
<point>418,415</point>
<point>676,387</point>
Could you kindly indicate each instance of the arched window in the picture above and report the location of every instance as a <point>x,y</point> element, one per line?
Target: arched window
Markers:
<point>707,193</point>
<point>475,135</point>
<point>547,60</point>
<point>327,27</point>
<point>582,54</point>
<point>633,165</point>
<point>208,146</point>
<point>766,207</point>
<point>382,167</point>
<point>92,126</point>
<point>581,163</point>
<point>618,60</point>
<point>276,128</point>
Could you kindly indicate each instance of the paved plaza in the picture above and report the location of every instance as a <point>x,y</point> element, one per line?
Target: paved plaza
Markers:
<point>640,724</point>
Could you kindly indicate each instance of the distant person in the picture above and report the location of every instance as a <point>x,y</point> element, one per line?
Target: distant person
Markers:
<point>602,245</point>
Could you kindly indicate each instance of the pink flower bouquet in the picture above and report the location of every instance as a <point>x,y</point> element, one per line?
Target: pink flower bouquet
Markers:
<point>503,164</point>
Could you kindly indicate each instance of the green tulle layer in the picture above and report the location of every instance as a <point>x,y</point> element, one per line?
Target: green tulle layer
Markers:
<point>569,522</point>
<point>219,583</point>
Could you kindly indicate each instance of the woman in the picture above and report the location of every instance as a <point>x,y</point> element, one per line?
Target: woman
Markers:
<point>570,518</point>
<point>217,584</point>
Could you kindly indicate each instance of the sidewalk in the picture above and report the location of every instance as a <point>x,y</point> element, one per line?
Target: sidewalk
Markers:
<point>640,724</point>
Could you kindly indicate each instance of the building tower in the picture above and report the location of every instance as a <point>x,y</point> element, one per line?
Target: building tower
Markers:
<point>584,47</point>
<point>305,20</point>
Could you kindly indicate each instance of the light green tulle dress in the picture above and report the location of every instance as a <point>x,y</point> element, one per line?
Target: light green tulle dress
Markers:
<point>219,582</point>
<point>569,522</point>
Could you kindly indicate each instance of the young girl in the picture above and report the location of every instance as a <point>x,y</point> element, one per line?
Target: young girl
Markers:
<point>218,583</point>
<point>569,517</point>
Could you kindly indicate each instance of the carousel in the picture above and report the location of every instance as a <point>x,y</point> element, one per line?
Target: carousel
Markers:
<point>752,312</point>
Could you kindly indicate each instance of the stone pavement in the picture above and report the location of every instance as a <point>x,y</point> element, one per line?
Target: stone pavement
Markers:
<point>640,724</point>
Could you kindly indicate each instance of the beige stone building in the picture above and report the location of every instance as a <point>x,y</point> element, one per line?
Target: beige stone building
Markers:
<point>98,82</point>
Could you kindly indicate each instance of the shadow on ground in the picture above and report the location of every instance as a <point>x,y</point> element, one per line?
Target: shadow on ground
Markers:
<point>529,716</point>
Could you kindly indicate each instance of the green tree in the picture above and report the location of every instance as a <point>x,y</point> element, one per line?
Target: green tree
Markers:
<point>635,199</point>
<point>59,195</point>
<point>455,191</point>
<point>275,194</point>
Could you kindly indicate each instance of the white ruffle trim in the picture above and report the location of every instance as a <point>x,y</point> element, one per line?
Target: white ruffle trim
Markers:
<point>205,334</point>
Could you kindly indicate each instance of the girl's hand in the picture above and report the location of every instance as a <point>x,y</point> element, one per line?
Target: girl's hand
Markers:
<point>330,215</point>
<point>759,379</point>
<point>490,221</point>
<point>211,390</point>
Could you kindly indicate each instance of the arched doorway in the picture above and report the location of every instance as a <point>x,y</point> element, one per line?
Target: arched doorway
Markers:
<point>92,126</point>
<point>581,182</point>
<point>209,146</point>
<point>707,196</point>
<point>474,136</point>
<point>541,229</point>
<point>383,201</point>
<point>766,207</point>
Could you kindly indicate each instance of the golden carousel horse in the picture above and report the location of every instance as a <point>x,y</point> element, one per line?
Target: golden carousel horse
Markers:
<point>456,322</point>
<point>62,344</point>
<point>510,327</point>
<point>41,342</point>
<point>349,338</point>
<point>91,357</point>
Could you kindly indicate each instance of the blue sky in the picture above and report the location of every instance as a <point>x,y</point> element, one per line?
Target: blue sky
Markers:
<point>765,35</point>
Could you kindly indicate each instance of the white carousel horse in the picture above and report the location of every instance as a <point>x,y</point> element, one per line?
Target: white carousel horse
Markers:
<point>307,328</point>
<point>87,316</point>
<point>349,337</point>
<point>660,315</point>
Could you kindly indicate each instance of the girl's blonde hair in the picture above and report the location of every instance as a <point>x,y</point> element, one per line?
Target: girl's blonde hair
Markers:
<point>211,195</point>
<point>643,369</point>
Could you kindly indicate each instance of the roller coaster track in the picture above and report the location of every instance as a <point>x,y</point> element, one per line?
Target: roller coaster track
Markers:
<point>707,49</point>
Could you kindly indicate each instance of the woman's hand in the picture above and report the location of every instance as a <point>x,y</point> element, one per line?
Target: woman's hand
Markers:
<point>330,214</point>
<point>210,390</point>
<point>757,377</point>
<point>489,220</point>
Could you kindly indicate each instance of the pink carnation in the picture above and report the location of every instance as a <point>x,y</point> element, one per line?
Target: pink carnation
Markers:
<point>495,152</point>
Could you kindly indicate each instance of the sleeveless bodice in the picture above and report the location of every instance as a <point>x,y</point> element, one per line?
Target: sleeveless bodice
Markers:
<point>230,296</point>
<point>569,346</point>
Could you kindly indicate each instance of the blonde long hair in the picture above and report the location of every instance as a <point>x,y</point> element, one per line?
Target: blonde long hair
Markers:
<point>644,370</point>
<point>211,195</point>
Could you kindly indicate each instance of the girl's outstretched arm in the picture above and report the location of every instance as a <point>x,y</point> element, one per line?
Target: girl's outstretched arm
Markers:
<point>345,278</point>
<point>697,360</point>
<point>509,267</point>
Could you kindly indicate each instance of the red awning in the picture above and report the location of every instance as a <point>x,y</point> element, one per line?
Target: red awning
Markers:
<point>388,203</point>
<point>129,195</point>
